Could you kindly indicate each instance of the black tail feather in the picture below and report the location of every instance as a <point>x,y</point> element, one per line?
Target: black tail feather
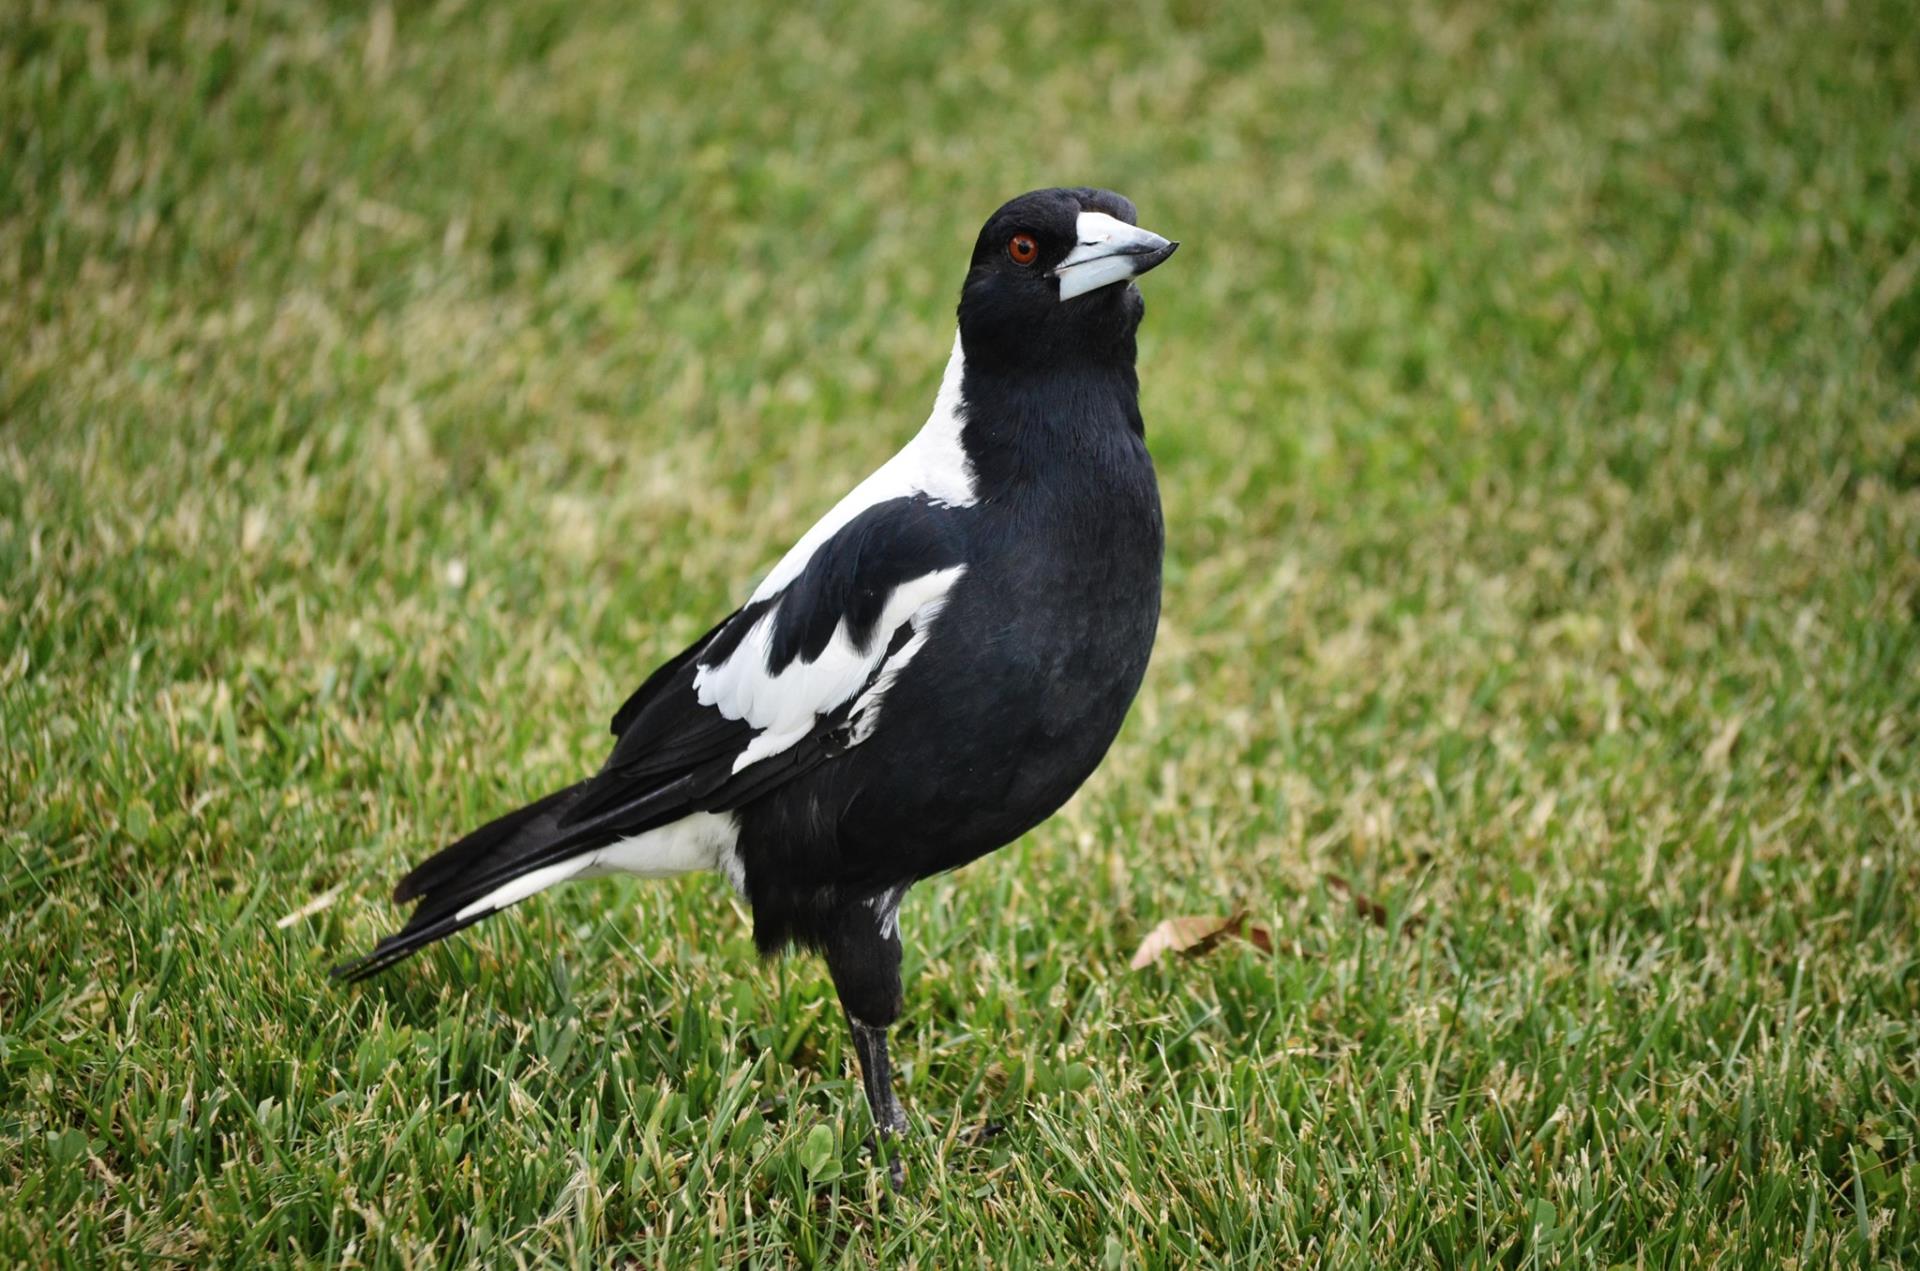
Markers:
<point>484,852</point>
<point>394,948</point>
<point>453,878</point>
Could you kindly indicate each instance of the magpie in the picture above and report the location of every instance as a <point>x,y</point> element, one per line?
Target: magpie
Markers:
<point>931,671</point>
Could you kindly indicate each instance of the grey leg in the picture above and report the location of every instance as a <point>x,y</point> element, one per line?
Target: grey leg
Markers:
<point>876,1073</point>
<point>863,953</point>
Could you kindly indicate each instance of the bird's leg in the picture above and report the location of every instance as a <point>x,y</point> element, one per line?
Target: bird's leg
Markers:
<point>876,1072</point>
<point>863,954</point>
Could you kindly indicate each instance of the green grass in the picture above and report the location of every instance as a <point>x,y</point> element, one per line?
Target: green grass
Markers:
<point>381,396</point>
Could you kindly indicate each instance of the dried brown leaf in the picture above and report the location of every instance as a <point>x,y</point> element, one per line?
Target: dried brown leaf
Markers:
<point>1189,933</point>
<point>1369,908</point>
<point>1195,934</point>
<point>1364,905</point>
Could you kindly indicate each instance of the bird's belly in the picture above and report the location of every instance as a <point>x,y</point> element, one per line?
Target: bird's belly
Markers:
<point>1045,690</point>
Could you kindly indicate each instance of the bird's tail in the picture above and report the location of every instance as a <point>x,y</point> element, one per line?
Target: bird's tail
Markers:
<point>498,864</point>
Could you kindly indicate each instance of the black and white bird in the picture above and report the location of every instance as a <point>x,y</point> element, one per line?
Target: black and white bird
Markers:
<point>931,671</point>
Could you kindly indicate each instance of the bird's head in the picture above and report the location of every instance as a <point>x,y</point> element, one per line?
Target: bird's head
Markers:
<point>1051,281</point>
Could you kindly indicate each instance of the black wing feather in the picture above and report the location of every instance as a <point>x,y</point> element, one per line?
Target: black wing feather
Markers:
<point>650,689</point>
<point>669,742</point>
<point>676,756</point>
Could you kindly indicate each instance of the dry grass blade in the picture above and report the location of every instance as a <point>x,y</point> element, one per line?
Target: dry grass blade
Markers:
<point>312,907</point>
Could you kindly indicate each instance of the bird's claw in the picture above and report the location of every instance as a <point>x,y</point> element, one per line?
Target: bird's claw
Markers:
<point>890,1133</point>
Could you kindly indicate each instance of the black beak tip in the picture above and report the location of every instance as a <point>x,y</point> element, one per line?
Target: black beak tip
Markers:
<point>1156,258</point>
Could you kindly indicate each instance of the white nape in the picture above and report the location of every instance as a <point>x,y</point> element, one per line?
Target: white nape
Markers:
<point>698,841</point>
<point>934,463</point>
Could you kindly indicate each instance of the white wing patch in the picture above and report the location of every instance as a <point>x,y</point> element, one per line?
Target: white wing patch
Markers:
<point>865,715</point>
<point>784,707</point>
<point>934,463</point>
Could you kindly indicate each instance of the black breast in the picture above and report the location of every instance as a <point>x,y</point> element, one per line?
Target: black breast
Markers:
<point>1023,683</point>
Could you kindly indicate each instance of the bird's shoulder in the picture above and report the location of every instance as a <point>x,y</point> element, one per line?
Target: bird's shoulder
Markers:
<point>850,576</point>
<point>792,677</point>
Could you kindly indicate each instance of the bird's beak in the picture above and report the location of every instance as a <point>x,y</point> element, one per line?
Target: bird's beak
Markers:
<point>1109,251</point>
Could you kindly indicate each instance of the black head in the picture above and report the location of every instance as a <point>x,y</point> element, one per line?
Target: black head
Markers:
<point>1051,281</point>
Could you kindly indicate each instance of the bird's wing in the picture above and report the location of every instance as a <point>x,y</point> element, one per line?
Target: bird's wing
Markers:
<point>789,680</point>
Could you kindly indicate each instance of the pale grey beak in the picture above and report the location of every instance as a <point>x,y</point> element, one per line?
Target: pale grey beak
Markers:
<point>1109,251</point>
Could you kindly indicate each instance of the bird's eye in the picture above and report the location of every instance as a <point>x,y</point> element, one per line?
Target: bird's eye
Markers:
<point>1023,249</point>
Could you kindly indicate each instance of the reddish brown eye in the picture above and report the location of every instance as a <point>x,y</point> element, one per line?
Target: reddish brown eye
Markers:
<point>1023,249</point>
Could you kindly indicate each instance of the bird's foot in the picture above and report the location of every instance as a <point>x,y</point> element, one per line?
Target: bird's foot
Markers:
<point>890,1134</point>
<point>896,1172</point>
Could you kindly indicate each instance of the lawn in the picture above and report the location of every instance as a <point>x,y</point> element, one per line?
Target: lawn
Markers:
<point>385,390</point>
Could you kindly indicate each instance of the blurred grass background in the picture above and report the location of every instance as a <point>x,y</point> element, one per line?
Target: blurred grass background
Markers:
<point>384,391</point>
